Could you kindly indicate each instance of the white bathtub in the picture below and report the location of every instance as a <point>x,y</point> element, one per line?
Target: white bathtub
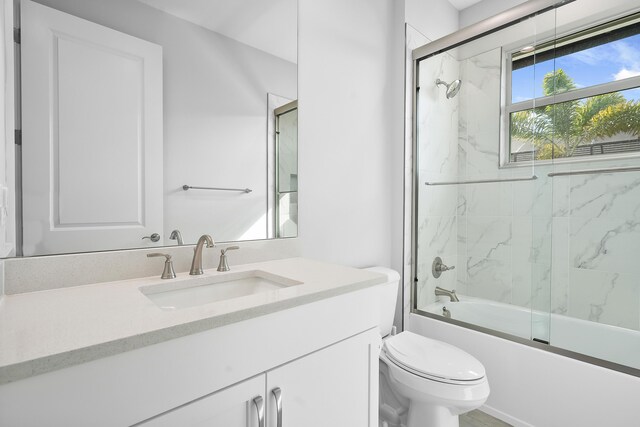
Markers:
<point>606,342</point>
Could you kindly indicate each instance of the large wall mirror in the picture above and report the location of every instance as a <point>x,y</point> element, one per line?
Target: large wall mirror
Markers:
<point>151,122</point>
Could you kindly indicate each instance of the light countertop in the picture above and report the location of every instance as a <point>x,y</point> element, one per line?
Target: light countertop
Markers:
<point>48,330</point>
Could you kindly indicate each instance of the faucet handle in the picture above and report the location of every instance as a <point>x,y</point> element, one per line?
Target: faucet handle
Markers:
<point>224,265</point>
<point>438,267</point>
<point>168,272</point>
<point>230,248</point>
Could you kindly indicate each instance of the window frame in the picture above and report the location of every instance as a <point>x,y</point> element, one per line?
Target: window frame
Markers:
<point>508,107</point>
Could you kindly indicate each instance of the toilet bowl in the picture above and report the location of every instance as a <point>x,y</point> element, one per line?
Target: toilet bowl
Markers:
<point>438,380</point>
<point>423,382</point>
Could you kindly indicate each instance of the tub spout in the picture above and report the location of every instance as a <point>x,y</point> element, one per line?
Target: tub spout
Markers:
<point>443,292</point>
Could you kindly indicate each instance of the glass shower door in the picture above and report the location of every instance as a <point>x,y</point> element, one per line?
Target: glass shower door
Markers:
<point>487,218</point>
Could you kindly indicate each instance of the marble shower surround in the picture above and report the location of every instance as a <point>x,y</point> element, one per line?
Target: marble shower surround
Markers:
<point>567,245</point>
<point>437,139</point>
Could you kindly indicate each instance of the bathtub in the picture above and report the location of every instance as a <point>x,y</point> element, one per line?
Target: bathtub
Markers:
<point>615,344</point>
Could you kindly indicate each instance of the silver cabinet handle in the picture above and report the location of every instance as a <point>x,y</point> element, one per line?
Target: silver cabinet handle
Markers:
<point>258,401</point>
<point>154,237</point>
<point>277,395</point>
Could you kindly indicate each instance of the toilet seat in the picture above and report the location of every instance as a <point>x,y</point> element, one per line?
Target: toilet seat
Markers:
<point>433,360</point>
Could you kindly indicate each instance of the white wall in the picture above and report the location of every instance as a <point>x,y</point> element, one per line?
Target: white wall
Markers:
<point>432,18</point>
<point>484,10</point>
<point>215,117</point>
<point>351,130</point>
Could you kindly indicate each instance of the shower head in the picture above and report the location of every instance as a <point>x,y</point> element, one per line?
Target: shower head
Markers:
<point>452,88</point>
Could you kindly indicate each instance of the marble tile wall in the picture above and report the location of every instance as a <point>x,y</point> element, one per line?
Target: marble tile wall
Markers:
<point>437,136</point>
<point>596,235</point>
<point>566,245</point>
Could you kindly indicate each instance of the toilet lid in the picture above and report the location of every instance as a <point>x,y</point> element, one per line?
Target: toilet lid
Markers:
<point>432,359</point>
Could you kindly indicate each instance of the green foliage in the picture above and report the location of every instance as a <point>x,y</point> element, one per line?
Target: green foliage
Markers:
<point>623,117</point>
<point>558,82</point>
<point>596,105</point>
<point>556,130</point>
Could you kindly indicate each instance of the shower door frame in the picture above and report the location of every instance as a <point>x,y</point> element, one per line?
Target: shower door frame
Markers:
<point>476,31</point>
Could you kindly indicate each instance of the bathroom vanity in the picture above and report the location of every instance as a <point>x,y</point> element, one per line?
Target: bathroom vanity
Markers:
<point>110,354</point>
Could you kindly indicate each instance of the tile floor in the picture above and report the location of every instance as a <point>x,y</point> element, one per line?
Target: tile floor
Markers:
<point>480,419</point>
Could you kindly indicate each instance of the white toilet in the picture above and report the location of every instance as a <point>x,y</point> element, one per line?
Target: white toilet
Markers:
<point>423,382</point>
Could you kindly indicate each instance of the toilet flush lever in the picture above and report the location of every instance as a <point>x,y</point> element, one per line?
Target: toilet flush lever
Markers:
<point>438,267</point>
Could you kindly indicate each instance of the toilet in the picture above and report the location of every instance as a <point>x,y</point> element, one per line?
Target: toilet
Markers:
<point>423,382</point>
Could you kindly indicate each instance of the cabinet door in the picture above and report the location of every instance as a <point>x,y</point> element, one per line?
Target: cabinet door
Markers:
<point>231,407</point>
<point>329,387</point>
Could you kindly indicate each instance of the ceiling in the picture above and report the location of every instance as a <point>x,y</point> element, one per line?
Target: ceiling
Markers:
<point>268,25</point>
<point>463,4</point>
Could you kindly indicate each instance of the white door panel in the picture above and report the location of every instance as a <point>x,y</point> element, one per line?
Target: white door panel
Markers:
<point>92,135</point>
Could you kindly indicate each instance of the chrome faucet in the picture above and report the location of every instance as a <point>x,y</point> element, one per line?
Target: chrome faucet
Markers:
<point>176,235</point>
<point>196,264</point>
<point>445,293</point>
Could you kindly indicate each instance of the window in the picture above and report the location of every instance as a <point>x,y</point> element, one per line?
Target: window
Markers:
<point>575,96</point>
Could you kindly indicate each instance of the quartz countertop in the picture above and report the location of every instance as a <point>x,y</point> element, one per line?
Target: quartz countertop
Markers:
<point>53,329</point>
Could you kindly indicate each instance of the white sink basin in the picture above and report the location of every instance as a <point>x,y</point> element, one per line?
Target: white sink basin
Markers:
<point>176,294</point>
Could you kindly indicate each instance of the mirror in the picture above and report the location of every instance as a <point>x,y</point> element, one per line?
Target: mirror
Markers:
<point>151,122</point>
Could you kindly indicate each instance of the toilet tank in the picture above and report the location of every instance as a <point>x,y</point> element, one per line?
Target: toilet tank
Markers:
<point>388,298</point>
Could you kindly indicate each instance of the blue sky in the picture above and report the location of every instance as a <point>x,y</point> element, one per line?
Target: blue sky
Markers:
<point>600,64</point>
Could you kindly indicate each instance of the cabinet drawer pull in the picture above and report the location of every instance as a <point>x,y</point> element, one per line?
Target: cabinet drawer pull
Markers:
<point>277,395</point>
<point>258,401</point>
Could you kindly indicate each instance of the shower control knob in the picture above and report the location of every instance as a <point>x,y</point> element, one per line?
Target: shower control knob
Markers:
<point>438,267</point>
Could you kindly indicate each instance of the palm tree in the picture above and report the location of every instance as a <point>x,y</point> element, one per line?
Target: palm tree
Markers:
<point>556,130</point>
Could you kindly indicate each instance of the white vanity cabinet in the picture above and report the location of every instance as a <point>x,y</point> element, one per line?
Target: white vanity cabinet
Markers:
<point>322,354</point>
<point>329,386</point>
<point>231,407</point>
